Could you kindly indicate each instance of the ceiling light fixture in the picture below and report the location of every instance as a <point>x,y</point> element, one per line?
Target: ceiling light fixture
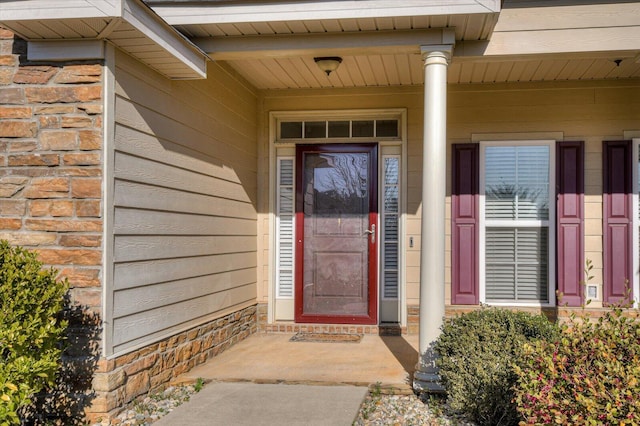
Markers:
<point>328,64</point>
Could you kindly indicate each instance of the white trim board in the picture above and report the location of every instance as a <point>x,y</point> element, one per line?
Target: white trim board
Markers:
<point>65,50</point>
<point>319,44</point>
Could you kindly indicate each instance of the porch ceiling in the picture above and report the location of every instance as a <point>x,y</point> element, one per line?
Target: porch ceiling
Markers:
<point>274,60</point>
<point>407,69</point>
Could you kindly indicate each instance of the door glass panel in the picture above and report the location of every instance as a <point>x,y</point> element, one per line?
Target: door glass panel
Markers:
<point>336,246</point>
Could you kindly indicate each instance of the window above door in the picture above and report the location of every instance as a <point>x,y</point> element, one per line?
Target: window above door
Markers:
<point>338,126</point>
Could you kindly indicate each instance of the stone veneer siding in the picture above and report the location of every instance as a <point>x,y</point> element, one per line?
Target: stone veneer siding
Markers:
<point>51,164</point>
<point>51,137</point>
<point>120,380</point>
<point>51,190</point>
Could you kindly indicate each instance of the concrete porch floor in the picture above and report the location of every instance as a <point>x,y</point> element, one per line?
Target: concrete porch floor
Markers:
<point>273,358</point>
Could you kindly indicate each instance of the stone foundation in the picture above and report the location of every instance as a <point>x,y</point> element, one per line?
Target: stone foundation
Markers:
<point>121,380</point>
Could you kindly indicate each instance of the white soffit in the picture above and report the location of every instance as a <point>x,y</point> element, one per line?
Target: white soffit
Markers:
<point>128,24</point>
<point>211,12</point>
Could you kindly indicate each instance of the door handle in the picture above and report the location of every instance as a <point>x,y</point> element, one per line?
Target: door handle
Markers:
<point>372,231</point>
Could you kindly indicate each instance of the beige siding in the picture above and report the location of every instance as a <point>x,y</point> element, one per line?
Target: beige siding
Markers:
<point>544,27</point>
<point>591,111</point>
<point>184,202</point>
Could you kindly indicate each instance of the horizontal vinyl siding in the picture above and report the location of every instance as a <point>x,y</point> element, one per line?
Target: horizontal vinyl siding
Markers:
<point>184,202</point>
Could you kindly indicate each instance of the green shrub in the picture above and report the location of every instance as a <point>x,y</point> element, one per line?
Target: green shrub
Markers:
<point>31,330</point>
<point>477,353</point>
<point>590,376</point>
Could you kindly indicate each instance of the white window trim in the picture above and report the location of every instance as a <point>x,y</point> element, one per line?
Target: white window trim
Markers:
<point>635,198</point>
<point>551,223</point>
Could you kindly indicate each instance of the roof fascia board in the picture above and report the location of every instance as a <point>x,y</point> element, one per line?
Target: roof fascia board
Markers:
<point>156,29</point>
<point>177,14</point>
<point>357,43</point>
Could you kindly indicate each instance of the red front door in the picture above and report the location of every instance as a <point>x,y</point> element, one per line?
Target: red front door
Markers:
<point>336,235</point>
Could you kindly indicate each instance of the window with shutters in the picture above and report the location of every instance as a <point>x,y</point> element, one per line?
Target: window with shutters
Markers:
<point>285,228</point>
<point>517,236</point>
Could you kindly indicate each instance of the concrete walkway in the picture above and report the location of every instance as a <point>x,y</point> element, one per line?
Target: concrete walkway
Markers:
<point>269,380</point>
<point>232,404</point>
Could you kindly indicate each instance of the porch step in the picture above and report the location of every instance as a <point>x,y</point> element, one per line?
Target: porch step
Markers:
<point>387,329</point>
<point>391,330</point>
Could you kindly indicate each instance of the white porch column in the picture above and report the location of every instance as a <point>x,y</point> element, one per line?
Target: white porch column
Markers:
<point>432,257</point>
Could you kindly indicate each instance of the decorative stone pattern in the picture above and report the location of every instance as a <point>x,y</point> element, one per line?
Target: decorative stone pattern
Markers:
<point>151,369</point>
<point>51,164</point>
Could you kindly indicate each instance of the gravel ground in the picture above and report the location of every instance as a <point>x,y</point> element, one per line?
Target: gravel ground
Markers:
<point>147,411</point>
<point>405,410</point>
<point>378,409</point>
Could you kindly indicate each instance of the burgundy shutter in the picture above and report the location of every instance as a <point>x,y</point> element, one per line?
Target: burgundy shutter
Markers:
<point>617,220</point>
<point>570,221</point>
<point>465,223</point>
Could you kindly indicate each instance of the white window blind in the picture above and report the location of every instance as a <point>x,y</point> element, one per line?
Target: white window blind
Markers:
<point>516,264</point>
<point>285,228</point>
<point>390,221</point>
<point>516,223</point>
<point>517,182</point>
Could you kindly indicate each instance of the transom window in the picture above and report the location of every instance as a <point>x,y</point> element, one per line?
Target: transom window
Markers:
<point>333,129</point>
<point>517,212</point>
